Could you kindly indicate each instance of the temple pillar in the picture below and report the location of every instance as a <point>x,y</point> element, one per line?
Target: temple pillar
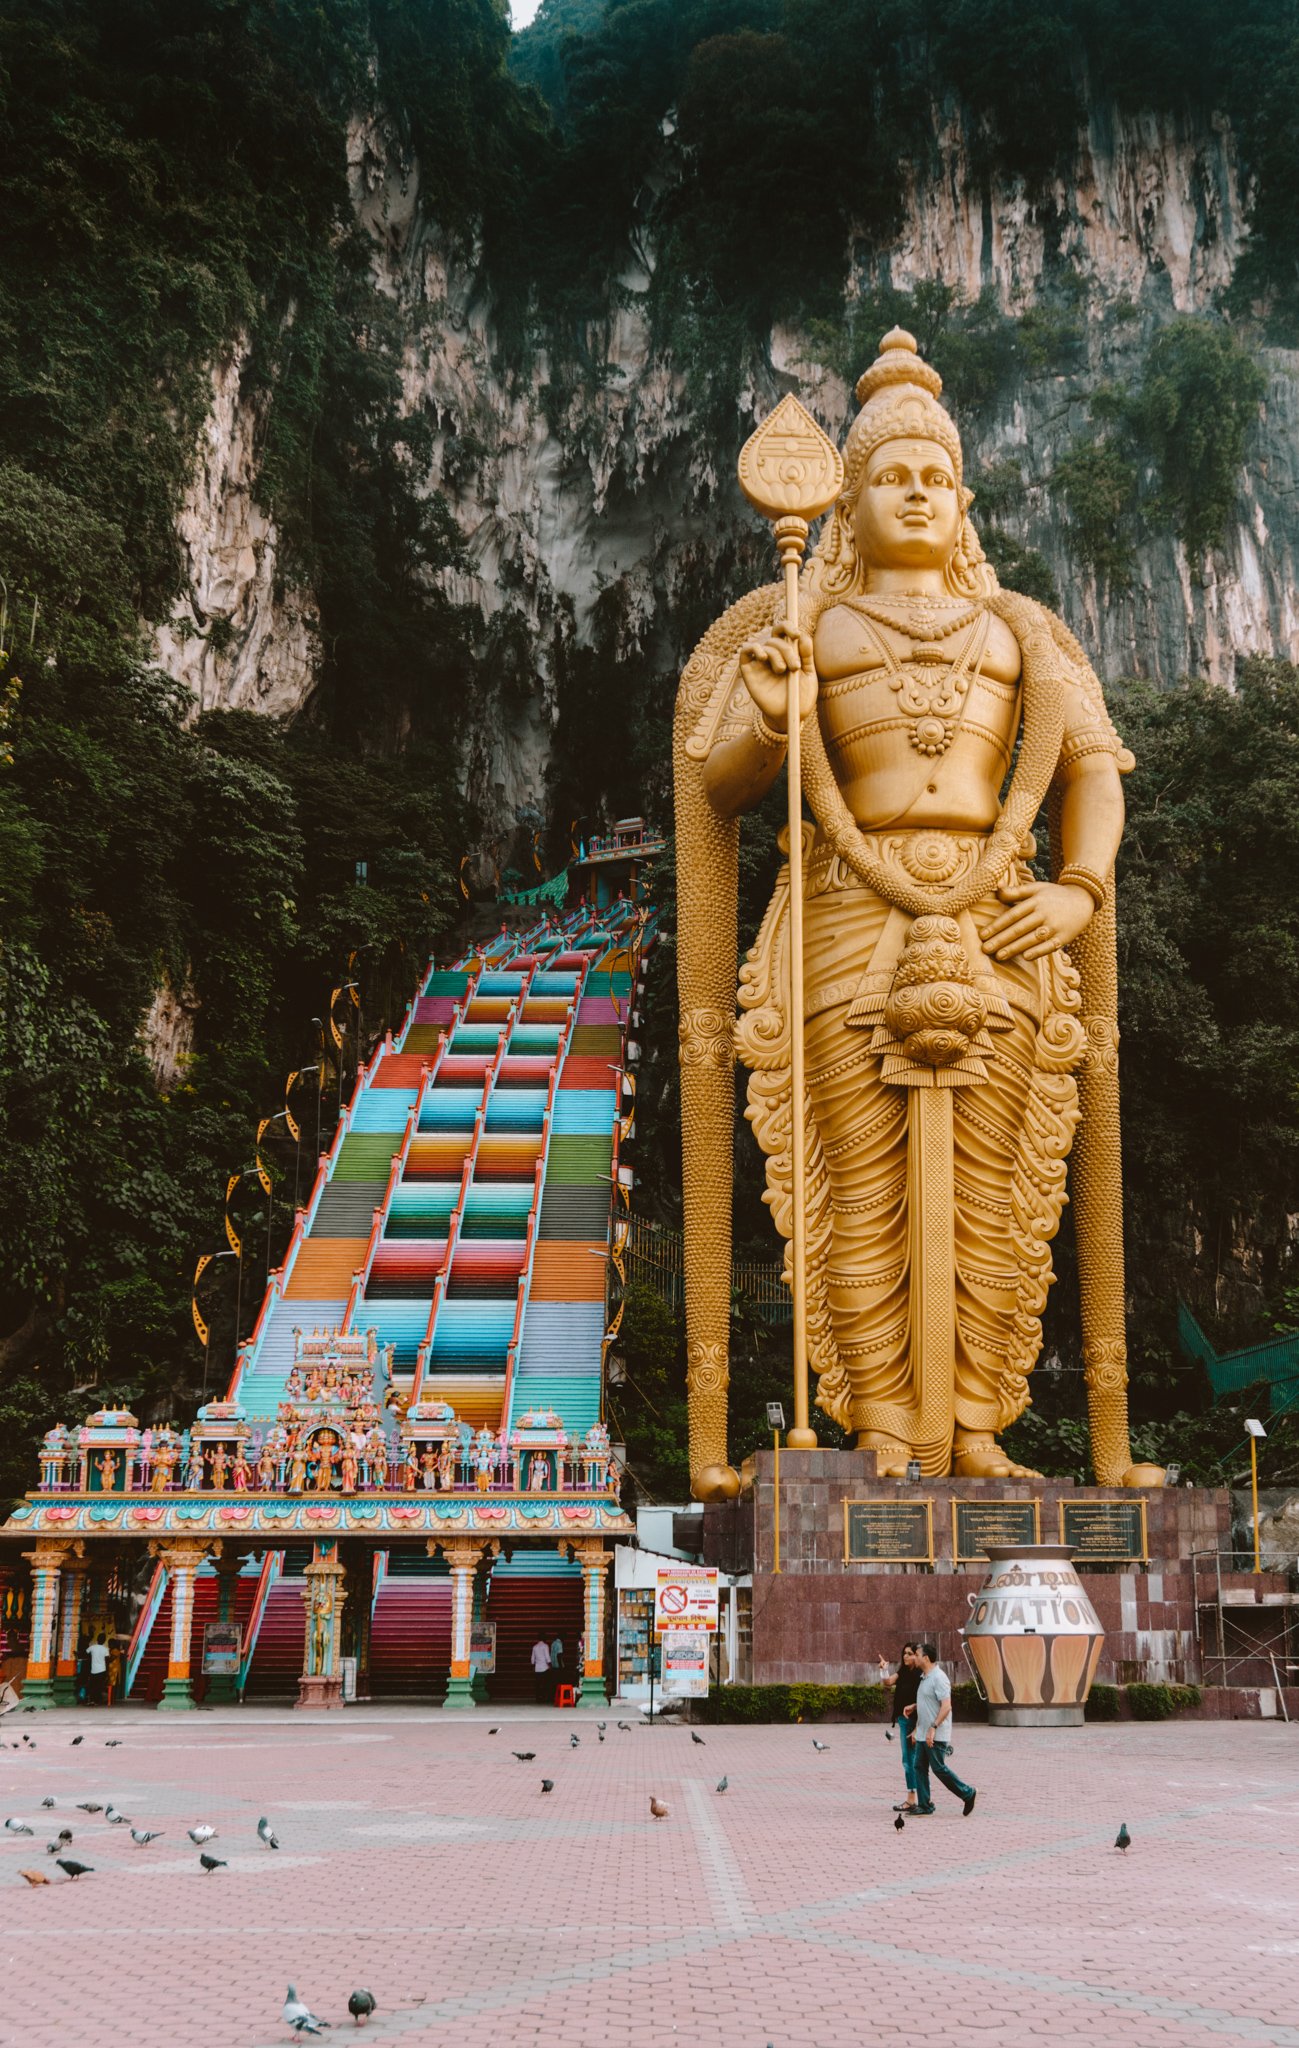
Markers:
<point>321,1684</point>
<point>46,1561</point>
<point>464,1560</point>
<point>592,1556</point>
<point>182,1561</point>
<point>358,1610</point>
<point>223,1686</point>
<point>72,1599</point>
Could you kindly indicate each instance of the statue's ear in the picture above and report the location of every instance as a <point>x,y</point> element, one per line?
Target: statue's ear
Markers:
<point>967,498</point>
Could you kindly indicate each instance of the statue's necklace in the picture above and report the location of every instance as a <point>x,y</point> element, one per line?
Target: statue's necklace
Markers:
<point>931,687</point>
<point>920,618</point>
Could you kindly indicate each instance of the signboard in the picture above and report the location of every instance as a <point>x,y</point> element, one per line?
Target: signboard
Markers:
<point>1105,1531</point>
<point>482,1647</point>
<point>977,1523</point>
<point>222,1649</point>
<point>685,1662</point>
<point>888,1531</point>
<point>685,1597</point>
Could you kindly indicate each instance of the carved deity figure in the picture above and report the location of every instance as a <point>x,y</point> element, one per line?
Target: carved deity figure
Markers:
<point>106,1466</point>
<point>959,1010</point>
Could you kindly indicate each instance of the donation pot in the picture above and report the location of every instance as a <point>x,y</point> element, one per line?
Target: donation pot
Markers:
<point>1034,1636</point>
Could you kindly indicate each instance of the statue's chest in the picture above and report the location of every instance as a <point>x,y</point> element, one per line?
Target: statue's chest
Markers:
<point>921,705</point>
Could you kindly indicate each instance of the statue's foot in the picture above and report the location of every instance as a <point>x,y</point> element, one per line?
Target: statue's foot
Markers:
<point>715,1482</point>
<point>891,1456</point>
<point>981,1457</point>
<point>1144,1475</point>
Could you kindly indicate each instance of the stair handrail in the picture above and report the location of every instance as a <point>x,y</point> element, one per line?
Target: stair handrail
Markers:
<point>143,1629</point>
<point>456,1218</point>
<point>539,1183</point>
<point>272,1564</point>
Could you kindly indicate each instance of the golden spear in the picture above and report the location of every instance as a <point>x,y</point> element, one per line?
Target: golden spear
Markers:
<point>791,472</point>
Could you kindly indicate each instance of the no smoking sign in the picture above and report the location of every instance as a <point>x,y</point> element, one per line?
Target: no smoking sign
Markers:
<point>685,1597</point>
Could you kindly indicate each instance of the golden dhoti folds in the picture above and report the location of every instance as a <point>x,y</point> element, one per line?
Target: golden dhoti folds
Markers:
<point>933,1189</point>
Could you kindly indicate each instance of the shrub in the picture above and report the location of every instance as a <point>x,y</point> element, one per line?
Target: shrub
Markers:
<point>767,1703</point>
<point>1160,1702</point>
<point>1103,1703</point>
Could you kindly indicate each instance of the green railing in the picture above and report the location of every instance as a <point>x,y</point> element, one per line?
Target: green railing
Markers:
<point>1274,1362</point>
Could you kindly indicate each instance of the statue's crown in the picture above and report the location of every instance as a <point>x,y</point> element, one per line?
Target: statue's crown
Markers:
<point>898,362</point>
<point>899,399</point>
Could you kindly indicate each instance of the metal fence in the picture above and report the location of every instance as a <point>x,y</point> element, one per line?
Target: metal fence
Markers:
<point>656,1257</point>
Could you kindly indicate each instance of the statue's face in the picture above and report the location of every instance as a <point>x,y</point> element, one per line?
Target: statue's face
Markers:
<point>908,511</point>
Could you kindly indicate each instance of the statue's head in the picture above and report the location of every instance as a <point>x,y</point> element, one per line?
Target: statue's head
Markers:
<point>904,503</point>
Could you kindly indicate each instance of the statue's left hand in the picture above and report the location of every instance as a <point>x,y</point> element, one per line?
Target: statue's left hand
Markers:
<point>1039,918</point>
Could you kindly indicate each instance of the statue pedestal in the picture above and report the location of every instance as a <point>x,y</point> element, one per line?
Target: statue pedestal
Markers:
<point>319,1692</point>
<point>867,1564</point>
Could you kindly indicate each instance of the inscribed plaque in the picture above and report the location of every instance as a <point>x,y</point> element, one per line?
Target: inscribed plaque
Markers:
<point>977,1523</point>
<point>888,1531</point>
<point>1104,1531</point>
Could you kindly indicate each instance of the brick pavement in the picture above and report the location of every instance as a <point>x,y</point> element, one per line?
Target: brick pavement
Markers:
<point>420,1859</point>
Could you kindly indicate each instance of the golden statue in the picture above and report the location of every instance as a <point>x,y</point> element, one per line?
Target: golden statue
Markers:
<point>958,1016</point>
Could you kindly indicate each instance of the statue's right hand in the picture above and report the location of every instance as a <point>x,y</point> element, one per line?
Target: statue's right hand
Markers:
<point>768,667</point>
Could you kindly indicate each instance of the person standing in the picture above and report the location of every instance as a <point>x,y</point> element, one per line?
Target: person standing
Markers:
<point>929,1741</point>
<point>97,1669</point>
<point>557,1666</point>
<point>541,1669</point>
<point>905,1687</point>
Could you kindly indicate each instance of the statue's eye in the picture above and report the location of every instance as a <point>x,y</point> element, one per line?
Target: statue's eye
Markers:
<point>940,476</point>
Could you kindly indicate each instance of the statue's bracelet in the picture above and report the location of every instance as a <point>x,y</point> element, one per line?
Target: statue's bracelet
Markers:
<point>764,734</point>
<point>1075,876</point>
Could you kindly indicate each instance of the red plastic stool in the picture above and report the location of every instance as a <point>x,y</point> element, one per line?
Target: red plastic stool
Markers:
<point>565,1696</point>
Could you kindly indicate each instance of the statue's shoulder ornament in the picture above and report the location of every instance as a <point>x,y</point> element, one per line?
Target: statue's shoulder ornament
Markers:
<point>1088,727</point>
<point>712,702</point>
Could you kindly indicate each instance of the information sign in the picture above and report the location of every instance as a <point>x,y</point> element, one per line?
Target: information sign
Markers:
<point>222,1649</point>
<point>888,1531</point>
<point>685,1597</point>
<point>977,1523</point>
<point>482,1647</point>
<point>1105,1531</point>
<point>685,1662</point>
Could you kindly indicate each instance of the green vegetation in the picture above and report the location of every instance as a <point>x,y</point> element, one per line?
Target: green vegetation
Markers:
<point>1187,422</point>
<point>754,1703</point>
<point>1161,1702</point>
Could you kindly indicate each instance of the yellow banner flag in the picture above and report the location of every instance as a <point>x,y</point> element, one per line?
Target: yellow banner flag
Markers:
<point>199,1324</point>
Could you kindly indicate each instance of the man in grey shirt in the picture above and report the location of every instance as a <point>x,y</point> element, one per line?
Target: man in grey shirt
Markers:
<point>933,1715</point>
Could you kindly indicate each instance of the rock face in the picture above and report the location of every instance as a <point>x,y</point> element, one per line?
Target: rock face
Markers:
<point>591,505</point>
<point>239,641</point>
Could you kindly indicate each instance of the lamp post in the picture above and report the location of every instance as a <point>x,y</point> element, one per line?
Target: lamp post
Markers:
<point>776,1421</point>
<point>1256,1430</point>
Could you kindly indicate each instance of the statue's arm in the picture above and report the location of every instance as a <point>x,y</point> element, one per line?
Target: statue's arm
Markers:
<point>1091,813</point>
<point>748,753</point>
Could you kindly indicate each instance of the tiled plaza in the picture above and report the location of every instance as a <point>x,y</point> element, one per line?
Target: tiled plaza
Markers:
<point>419,1859</point>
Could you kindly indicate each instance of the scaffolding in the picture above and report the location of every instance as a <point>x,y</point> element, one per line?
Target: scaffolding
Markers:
<point>1247,1622</point>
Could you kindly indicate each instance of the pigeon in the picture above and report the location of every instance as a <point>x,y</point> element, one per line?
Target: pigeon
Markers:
<point>299,2016</point>
<point>266,1833</point>
<point>491,1731</point>
<point>48,1802</point>
<point>115,1744</point>
<point>598,1736</point>
<point>574,1741</point>
<point>547,1784</point>
<point>657,1808</point>
<point>722,1784</point>
<point>602,1725</point>
<point>898,1823</point>
<point>202,1833</point>
<point>142,1836</point>
<point>698,1740</point>
<point>88,1806</point>
<point>526,1756</point>
<point>819,1745</point>
<point>19,1827</point>
<point>34,1876</point>
<point>75,1869</point>
<point>120,1820</point>
<point>65,1836</point>
<point>1123,1839</point>
<point>625,1726</point>
<point>52,1848</point>
<point>75,1740</point>
<point>211,1863</point>
<point>362,2003</point>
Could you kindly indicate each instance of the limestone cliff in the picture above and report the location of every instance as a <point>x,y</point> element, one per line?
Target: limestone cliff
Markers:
<point>587,503</point>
